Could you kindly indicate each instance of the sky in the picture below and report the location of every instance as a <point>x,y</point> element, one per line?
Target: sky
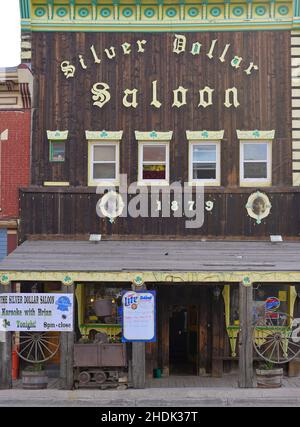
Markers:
<point>10,38</point>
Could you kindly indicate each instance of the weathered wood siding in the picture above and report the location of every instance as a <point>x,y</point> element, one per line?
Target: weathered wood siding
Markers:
<point>70,212</point>
<point>61,103</point>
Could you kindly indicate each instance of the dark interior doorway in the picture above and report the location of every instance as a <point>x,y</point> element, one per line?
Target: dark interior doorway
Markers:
<point>183,345</point>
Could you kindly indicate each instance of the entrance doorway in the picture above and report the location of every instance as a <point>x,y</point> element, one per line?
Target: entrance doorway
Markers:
<point>183,336</point>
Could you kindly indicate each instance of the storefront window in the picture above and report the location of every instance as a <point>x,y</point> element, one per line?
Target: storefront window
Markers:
<point>267,299</point>
<point>102,304</point>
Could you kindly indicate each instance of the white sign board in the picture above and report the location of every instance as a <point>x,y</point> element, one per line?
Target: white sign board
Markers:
<point>139,316</point>
<point>36,312</point>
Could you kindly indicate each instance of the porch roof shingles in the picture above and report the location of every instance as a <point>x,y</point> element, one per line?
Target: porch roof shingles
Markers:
<point>122,256</point>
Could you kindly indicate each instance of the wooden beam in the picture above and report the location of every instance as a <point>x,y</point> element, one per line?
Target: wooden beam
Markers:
<point>5,352</point>
<point>217,334</point>
<point>138,358</point>
<point>67,352</point>
<point>138,365</point>
<point>245,336</point>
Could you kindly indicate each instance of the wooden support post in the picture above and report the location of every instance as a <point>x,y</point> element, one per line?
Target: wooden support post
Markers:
<point>138,365</point>
<point>67,352</point>
<point>245,336</point>
<point>217,335</point>
<point>5,352</point>
<point>138,359</point>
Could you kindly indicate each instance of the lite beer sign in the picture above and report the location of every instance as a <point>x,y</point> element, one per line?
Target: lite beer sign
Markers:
<point>101,94</point>
<point>139,316</point>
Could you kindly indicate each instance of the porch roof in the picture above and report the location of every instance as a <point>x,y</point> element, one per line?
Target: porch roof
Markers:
<point>159,255</point>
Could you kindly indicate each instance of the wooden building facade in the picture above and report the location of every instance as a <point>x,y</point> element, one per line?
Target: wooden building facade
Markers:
<point>205,94</point>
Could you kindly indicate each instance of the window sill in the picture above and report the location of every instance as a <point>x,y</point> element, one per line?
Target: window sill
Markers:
<point>204,183</point>
<point>153,184</point>
<point>255,184</point>
<point>104,184</point>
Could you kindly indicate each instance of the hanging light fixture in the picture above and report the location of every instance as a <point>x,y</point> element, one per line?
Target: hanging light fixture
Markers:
<point>216,292</point>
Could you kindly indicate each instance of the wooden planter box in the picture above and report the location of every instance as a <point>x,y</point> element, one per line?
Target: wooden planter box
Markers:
<point>34,380</point>
<point>269,378</point>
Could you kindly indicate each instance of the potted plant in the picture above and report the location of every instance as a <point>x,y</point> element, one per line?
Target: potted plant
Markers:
<point>269,376</point>
<point>34,377</point>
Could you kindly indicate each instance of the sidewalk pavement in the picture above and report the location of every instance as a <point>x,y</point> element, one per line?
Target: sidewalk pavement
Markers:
<point>161,397</point>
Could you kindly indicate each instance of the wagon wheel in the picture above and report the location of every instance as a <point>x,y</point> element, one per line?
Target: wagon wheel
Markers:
<point>273,338</point>
<point>38,347</point>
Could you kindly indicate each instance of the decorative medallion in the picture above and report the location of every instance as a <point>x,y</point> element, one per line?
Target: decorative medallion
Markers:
<point>138,281</point>
<point>171,12</point>
<point>127,12</point>
<point>4,279</point>
<point>215,12</point>
<point>260,10</point>
<point>105,12</point>
<point>40,12</point>
<point>205,134</point>
<point>283,10</point>
<point>67,280</point>
<point>154,135</point>
<point>110,206</point>
<point>103,135</point>
<point>255,134</point>
<point>246,281</point>
<point>238,11</point>
<point>149,12</point>
<point>258,206</point>
<point>61,12</point>
<point>193,12</point>
<point>57,135</point>
<point>83,12</point>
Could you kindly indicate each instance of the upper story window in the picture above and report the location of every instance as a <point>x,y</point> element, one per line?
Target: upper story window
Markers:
<point>153,167</point>
<point>205,157</point>
<point>255,158</point>
<point>104,161</point>
<point>57,145</point>
<point>104,158</point>
<point>57,151</point>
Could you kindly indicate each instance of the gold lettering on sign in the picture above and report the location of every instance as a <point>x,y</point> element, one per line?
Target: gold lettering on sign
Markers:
<point>179,97</point>
<point>100,95</point>
<point>179,44</point>
<point>133,94</point>
<point>235,63</point>
<point>250,68</point>
<point>222,57</point>
<point>97,60</point>
<point>231,93</point>
<point>140,44</point>
<point>67,69</point>
<point>155,102</point>
<point>206,93</point>
<point>211,50</point>
<point>82,63</point>
<point>111,52</point>
<point>126,48</point>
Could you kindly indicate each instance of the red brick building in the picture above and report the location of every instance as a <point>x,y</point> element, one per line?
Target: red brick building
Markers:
<point>15,125</point>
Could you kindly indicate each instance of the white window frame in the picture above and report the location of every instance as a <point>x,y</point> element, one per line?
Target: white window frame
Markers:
<point>103,182</point>
<point>250,182</point>
<point>153,182</point>
<point>207,182</point>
